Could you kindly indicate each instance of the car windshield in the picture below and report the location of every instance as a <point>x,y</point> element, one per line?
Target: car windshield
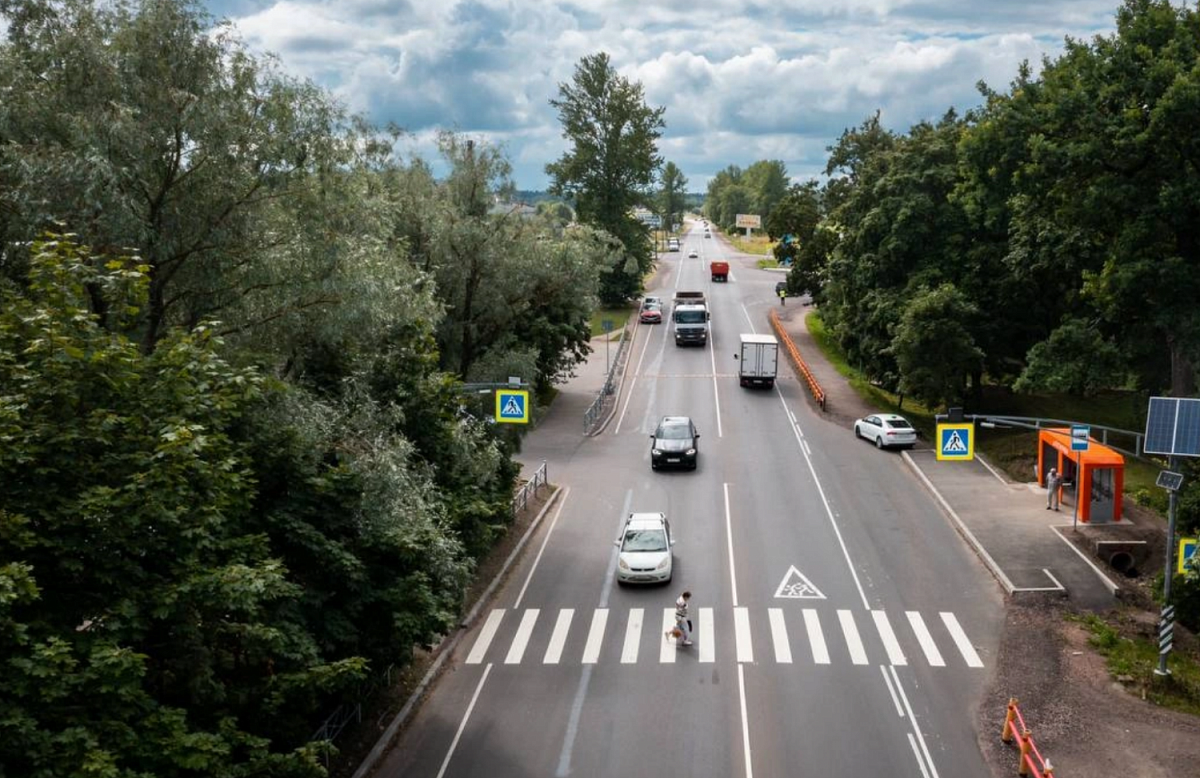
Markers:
<point>645,540</point>
<point>673,432</point>
<point>690,317</point>
<point>899,424</point>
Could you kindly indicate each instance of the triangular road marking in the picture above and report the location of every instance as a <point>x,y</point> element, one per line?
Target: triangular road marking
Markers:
<point>796,586</point>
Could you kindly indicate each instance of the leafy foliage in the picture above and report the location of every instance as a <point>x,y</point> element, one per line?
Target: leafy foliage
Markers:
<point>671,196</point>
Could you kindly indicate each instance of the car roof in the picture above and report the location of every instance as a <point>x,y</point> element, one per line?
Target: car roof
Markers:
<point>645,521</point>
<point>681,420</point>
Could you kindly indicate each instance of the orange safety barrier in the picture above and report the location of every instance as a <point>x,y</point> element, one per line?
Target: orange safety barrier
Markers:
<point>797,361</point>
<point>1030,761</point>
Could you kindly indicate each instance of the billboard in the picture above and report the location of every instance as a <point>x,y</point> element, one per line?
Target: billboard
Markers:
<point>750,220</point>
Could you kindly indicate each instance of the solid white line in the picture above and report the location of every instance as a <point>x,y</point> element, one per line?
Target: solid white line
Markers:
<point>485,636</point>
<point>745,722</point>
<point>1057,584</point>
<point>746,313</point>
<point>712,353</point>
<point>925,639</point>
<point>807,450</point>
<point>633,635</point>
<point>591,649</point>
<point>783,650</point>
<point>1108,582</point>
<point>912,741</point>
<point>960,639</point>
<point>816,638</point>
<point>979,458</point>
<point>741,628</point>
<point>611,574</point>
<point>558,638</point>
<point>887,680</point>
<point>708,642</point>
<point>545,540</point>
<point>632,383</point>
<point>895,655</point>
<point>524,630</point>
<point>828,510</point>
<point>729,542</point>
<point>667,650</point>
<point>916,727</point>
<point>463,724</point>
<point>850,629</point>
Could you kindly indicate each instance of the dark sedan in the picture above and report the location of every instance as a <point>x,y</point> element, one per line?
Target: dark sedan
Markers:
<point>674,444</point>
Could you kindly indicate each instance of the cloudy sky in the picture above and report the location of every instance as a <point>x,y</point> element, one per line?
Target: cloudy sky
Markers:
<point>741,80</point>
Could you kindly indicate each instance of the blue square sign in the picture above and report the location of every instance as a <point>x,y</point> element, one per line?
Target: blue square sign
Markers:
<point>1079,437</point>
<point>512,406</point>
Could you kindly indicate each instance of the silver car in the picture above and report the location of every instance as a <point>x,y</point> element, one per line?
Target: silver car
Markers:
<point>644,549</point>
<point>886,430</point>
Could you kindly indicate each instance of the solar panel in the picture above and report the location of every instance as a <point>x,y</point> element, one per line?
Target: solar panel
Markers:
<point>1173,427</point>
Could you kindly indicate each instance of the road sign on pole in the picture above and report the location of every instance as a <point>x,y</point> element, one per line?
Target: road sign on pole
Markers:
<point>1187,554</point>
<point>512,406</point>
<point>1079,437</point>
<point>955,441</point>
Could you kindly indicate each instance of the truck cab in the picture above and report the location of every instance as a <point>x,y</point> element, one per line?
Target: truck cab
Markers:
<point>689,319</point>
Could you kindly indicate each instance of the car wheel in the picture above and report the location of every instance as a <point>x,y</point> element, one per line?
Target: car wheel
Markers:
<point>693,467</point>
<point>857,433</point>
<point>878,442</point>
<point>653,466</point>
<point>620,583</point>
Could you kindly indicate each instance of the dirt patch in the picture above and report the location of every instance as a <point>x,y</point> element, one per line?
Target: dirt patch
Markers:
<point>1084,721</point>
<point>382,705</point>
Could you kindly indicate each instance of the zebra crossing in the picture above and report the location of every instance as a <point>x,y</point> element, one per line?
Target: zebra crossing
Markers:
<point>811,635</point>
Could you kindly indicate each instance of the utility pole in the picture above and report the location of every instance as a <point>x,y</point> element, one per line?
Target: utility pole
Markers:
<point>1166,621</point>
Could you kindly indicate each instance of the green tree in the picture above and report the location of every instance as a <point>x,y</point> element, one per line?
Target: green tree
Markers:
<point>767,181</point>
<point>933,347</point>
<point>671,196</point>
<point>1075,359</point>
<point>610,164</point>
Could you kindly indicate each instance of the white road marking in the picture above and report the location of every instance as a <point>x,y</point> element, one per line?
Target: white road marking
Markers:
<point>745,722</point>
<point>467,715</point>
<point>925,639</point>
<point>916,727</point>
<point>895,655</point>
<point>816,638</point>
<point>633,634</point>
<point>485,636</point>
<point>796,586</point>
<point>712,354</point>
<point>741,628</point>
<point>887,680</point>
<point>825,501</point>
<point>729,543</point>
<point>524,629</point>
<point>783,650</point>
<point>850,629</point>
<point>749,322</point>
<point>708,642</point>
<point>667,651</point>
<point>960,639</point>
<point>611,574</point>
<point>632,383</point>
<point>538,558</point>
<point>558,638</point>
<point>591,650</point>
<point>912,741</point>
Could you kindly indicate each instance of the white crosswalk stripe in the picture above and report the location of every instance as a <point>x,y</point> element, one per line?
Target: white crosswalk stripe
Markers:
<point>514,639</point>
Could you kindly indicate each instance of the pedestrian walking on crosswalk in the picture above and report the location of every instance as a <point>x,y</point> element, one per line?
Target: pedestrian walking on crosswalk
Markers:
<point>683,625</point>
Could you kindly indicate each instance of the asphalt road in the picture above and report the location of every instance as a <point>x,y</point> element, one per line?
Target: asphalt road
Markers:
<point>842,628</point>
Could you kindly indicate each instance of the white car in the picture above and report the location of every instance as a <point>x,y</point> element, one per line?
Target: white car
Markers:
<point>644,549</point>
<point>693,254</point>
<point>886,430</point>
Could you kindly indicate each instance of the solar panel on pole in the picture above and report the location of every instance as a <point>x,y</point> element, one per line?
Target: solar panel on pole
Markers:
<point>1173,427</point>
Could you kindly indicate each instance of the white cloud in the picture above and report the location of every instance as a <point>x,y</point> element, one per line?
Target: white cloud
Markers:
<point>741,79</point>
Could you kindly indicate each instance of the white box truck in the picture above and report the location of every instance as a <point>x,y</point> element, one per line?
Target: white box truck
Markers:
<point>758,361</point>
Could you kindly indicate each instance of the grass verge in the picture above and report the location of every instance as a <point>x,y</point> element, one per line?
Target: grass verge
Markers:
<point>757,244</point>
<point>618,316</point>
<point>1132,659</point>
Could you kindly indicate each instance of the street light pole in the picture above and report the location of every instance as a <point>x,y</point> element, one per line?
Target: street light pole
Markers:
<point>1165,622</point>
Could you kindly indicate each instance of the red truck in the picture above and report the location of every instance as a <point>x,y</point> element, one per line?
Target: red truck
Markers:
<point>719,270</point>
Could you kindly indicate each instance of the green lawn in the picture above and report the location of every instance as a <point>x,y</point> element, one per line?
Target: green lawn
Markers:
<point>618,316</point>
<point>757,244</point>
<point>1132,660</point>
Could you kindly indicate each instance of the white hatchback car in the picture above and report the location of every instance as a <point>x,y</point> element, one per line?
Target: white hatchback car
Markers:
<point>644,549</point>
<point>886,430</point>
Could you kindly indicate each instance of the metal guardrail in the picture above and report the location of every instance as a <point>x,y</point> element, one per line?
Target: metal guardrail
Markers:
<point>591,417</point>
<point>531,487</point>
<point>1036,423</point>
<point>797,361</point>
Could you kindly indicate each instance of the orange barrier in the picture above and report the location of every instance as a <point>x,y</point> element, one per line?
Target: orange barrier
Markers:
<point>797,361</point>
<point>1030,761</point>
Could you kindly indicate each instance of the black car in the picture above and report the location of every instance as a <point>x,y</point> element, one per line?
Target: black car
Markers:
<point>674,444</point>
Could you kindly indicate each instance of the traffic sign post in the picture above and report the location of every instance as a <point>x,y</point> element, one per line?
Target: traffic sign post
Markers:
<point>956,441</point>
<point>1187,555</point>
<point>512,406</point>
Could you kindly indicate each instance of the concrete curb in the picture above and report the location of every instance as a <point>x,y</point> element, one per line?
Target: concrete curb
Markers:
<point>962,528</point>
<point>1109,584</point>
<point>446,648</point>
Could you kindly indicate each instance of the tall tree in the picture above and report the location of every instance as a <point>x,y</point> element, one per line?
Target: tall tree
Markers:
<point>671,196</point>
<point>610,164</point>
<point>767,179</point>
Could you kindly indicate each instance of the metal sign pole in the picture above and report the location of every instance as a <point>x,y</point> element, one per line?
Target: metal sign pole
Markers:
<point>1165,621</point>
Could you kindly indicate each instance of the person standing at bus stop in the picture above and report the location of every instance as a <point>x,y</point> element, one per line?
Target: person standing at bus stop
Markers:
<point>1053,483</point>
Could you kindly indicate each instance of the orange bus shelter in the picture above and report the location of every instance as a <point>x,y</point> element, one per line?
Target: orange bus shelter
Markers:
<point>1100,471</point>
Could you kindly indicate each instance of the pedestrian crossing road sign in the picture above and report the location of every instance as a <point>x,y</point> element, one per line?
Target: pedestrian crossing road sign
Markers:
<point>512,406</point>
<point>956,441</point>
<point>1187,554</point>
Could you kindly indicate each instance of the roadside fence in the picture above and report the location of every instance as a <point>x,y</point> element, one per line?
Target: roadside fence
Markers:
<point>1030,761</point>
<point>797,361</point>
<point>352,711</point>
<point>593,416</point>
<point>528,489</point>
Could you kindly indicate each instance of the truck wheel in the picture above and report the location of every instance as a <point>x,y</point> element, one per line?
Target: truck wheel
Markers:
<point>771,383</point>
